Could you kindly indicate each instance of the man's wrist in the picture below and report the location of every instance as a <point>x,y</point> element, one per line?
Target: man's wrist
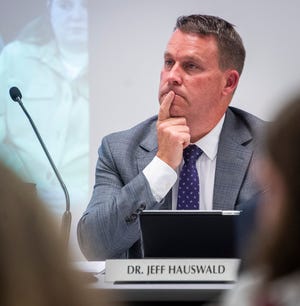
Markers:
<point>161,177</point>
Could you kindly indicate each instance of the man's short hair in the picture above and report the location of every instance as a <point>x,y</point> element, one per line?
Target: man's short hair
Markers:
<point>230,45</point>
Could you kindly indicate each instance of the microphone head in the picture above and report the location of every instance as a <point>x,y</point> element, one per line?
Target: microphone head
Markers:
<point>15,94</point>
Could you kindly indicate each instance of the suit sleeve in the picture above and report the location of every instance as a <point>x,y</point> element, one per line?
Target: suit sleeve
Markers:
<point>110,225</point>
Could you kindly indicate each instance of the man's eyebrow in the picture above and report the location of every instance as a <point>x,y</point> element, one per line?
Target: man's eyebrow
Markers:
<point>192,58</point>
<point>167,54</point>
<point>185,58</point>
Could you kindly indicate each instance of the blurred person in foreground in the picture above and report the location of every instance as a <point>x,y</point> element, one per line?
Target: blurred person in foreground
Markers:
<point>48,62</point>
<point>34,266</point>
<point>273,274</point>
<point>141,168</point>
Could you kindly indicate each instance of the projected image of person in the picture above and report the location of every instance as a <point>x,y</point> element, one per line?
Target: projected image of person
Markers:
<point>147,166</point>
<point>48,62</point>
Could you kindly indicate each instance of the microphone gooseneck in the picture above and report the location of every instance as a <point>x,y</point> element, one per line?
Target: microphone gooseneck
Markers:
<point>16,96</point>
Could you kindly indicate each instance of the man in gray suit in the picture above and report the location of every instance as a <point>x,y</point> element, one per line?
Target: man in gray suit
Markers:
<point>139,168</point>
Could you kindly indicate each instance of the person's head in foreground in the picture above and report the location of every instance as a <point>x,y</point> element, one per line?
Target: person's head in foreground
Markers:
<point>273,275</point>
<point>34,267</point>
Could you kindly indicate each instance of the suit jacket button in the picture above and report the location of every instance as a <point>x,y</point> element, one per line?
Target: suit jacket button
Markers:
<point>131,218</point>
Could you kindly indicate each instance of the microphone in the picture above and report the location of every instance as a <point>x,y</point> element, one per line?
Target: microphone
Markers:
<point>16,96</point>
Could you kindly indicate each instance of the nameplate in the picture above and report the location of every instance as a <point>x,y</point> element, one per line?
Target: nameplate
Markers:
<point>171,270</point>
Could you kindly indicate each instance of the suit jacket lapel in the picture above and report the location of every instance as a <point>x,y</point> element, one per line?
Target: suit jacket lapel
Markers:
<point>233,159</point>
<point>147,148</point>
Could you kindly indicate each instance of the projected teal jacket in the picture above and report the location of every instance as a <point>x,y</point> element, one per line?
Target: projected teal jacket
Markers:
<point>59,107</point>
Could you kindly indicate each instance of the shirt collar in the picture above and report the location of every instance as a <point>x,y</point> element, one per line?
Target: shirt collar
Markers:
<point>209,143</point>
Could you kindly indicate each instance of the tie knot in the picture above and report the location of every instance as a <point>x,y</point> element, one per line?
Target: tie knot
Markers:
<point>191,153</point>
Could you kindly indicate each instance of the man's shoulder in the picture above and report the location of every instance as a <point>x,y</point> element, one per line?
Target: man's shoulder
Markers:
<point>250,120</point>
<point>138,131</point>
<point>248,116</point>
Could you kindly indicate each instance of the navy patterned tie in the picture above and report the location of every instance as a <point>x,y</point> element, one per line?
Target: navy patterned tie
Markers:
<point>188,189</point>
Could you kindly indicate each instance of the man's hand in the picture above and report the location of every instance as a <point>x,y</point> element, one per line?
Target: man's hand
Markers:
<point>172,132</point>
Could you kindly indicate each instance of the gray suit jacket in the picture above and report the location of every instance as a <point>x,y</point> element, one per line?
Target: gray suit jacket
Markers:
<point>109,228</point>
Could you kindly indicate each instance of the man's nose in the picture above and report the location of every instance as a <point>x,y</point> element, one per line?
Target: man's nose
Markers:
<point>174,75</point>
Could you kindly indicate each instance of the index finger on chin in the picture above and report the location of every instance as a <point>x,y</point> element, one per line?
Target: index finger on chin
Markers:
<point>164,110</point>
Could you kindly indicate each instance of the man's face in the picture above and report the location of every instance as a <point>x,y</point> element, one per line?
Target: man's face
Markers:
<point>191,69</point>
<point>69,19</point>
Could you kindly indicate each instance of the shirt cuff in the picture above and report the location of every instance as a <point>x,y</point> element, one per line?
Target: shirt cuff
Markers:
<point>161,178</point>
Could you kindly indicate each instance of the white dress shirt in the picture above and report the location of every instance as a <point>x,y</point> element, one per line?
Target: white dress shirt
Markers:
<point>162,177</point>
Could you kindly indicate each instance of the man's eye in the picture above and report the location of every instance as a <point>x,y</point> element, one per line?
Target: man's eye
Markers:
<point>169,63</point>
<point>190,66</point>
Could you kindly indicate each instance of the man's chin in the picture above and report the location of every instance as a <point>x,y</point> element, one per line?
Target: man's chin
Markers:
<point>175,112</point>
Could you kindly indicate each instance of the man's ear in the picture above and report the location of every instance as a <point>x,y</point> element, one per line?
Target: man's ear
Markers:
<point>232,80</point>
